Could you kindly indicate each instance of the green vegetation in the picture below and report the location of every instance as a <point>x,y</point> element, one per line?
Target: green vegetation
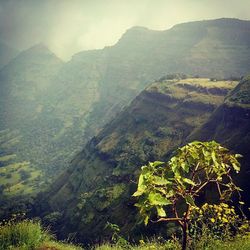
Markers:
<point>22,235</point>
<point>51,109</point>
<point>230,125</point>
<point>29,235</point>
<point>241,94</point>
<point>16,176</point>
<point>52,103</point>
<point>151,128</point>
<point>181,181</point>
<point>206,242</point>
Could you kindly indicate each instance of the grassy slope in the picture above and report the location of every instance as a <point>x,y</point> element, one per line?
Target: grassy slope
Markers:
<point>230,126</point>
<point>98,185</point>
<point>27,235</point>
<point>16,177</point>
<point>213,244</point>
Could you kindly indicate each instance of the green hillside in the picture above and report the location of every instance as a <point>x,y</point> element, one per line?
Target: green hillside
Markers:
<point>230,125</point>
<point>58,107</point>
<point>97,187</point>
<point>16,177</point>
<point>25,82</point>
<point>30,235</point>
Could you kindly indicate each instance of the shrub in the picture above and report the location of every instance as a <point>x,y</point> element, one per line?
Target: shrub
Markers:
<point>178,183</point>
<point>23,235</point>
<point>220,221</point>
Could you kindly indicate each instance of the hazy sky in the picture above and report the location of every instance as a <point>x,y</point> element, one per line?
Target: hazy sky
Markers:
<point>69,26</point>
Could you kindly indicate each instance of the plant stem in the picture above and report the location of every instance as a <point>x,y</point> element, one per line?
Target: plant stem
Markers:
<point>184,235</point>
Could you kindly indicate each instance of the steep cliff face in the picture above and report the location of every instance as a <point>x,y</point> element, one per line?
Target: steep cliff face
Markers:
<point>60,106</point>
<point>216,48</point>
<point>230,126</point>
<point>98,186</point>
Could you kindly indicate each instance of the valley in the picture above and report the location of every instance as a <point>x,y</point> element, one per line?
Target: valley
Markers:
<point>57,107</point>
<point>74,134</point>
<point>102,177</point>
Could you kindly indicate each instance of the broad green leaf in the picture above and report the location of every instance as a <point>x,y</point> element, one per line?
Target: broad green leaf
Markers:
<point>157,163</point>
<point>161,181</point>
<point>145,170</point>
<point>185,167</point>
<point>151,164</point>
<point>141,182</point>
<point>139,192</point>
<point>189,199</point>
<point>177,173</point>
<point>194,154</point>
<point>188,181</point>
<point>158,199</point>
<point>161,212</point>
<point>170,193</point>
<point>236,167</point>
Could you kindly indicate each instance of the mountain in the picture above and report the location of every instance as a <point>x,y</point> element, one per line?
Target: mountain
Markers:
<point>97,187</point>
<point>108,79</point>
<point>25,82</point>
<point>230,125</point>
<point>59,106</point>
<point>6,54</point>
<point>95,85</point>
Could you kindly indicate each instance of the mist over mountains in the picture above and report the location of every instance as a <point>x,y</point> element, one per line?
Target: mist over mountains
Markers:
<point>6,54</point>
<point>62,101</point>
<point>88,124</point>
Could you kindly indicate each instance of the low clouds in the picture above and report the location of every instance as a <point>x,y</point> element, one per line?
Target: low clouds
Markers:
<point>69,26</point>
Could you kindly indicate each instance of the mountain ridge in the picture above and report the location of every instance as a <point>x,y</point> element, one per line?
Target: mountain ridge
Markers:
<point>102,176</point>
<point>68,103</point>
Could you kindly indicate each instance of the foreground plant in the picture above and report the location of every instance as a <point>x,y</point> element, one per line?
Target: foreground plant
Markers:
<point>29,235</point>
<point>179,182</point>
<point>25,234</point>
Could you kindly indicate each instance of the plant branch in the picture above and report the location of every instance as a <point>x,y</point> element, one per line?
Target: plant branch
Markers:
<point>219,190</point>
<point>168,219</point>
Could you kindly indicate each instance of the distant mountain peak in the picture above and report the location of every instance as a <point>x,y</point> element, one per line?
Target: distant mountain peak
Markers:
<point>39,46</point>
<point>138,28</point>
<point>225,21</point>
<point>136,33</point>
<point>37,50</point>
